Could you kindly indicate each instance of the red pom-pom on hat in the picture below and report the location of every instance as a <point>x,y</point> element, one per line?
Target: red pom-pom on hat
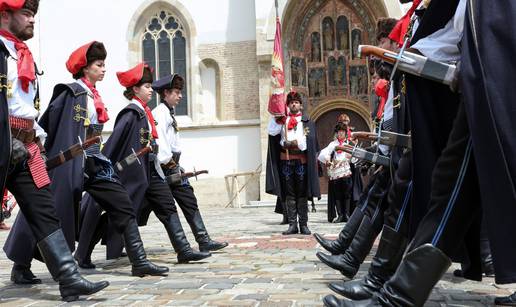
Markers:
<point>77,59</point>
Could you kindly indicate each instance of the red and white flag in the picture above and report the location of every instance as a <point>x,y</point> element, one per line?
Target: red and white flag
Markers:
<point>277,105</point>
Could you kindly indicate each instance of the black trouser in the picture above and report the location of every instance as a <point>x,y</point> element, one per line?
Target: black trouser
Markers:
<point>186,200</point>
<point>159,197</point>
<point>455,200</point>
<point>294,176</point>
<point>113,198</point>
<point>376,200</point>
<point>400,192</point>
<point>36,204</point>
<point>341,189</point>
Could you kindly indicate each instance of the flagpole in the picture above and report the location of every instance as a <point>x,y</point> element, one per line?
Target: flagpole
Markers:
<point>276,4</point>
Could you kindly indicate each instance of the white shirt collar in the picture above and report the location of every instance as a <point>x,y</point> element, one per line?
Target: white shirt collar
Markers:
<point>10,47</point>
<point>136,102</point>
<point>81,83</point>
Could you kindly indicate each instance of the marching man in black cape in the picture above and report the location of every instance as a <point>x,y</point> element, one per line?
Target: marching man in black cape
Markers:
<point>78,106</point>
<point>134,130</point>
<point>169,89</point>
<point>22,167</point>
<point>292,167</point>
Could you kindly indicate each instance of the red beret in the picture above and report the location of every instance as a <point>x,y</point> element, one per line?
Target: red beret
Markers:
<point>132,76</point>
<point>11,4</point>
<point>77,59</point>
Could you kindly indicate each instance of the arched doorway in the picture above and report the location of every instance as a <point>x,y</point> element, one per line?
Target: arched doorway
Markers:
<point>325,118</point>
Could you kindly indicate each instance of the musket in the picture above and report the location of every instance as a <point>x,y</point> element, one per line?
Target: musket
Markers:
<point>362,154</point>
<point>386,138</point>
<point>415,64</point>
<point>71,152</point>
<point>177,178</point>
<point>130,159</point>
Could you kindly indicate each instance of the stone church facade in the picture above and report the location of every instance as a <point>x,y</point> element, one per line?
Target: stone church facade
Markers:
<point>223,48</point>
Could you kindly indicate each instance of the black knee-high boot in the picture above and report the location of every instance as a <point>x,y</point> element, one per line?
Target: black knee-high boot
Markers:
<point>62,267</point>
<point>384,264</point>
<point>177,236</point>
<point>292,216</point>
<point>201,235</point>
<point>349,262</point>
<point>412,283</point>
<point>84,257</point>
<point>346,235</point>
<point>141,266</point>
<point>302,211</point>
<point>22,275</point>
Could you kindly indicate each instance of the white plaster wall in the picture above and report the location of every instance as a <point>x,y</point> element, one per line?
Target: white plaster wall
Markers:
<point>222,151</point>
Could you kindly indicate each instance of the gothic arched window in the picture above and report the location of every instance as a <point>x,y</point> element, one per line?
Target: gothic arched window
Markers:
<point>328,34</point>
<point>315,43</point>
<point>356,40</point>
<point>342,33</point>
<point>164,49</point>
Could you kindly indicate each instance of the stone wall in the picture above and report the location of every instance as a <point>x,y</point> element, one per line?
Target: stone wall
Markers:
<point>238,78</point>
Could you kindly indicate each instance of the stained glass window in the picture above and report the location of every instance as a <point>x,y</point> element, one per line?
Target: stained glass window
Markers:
<point>164,49</point>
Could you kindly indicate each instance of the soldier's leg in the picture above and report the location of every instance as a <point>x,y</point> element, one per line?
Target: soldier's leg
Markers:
<point>186,200</point>
<point>113,197</point>
<point>393,241</point>
<point>288,177</point>
<point>453,208</point>
<point>38,208</point>
<point>160,198</point>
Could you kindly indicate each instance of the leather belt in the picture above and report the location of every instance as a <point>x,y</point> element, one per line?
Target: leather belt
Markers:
<point>92,133</point>
<point>293,151</point>
<point>24,136</point>
<point>171,164</point>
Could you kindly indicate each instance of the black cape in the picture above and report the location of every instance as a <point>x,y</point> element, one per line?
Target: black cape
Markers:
<point>63,126</point>
<point>130,129</point>
<point>487,79</point>
<point>273,179</point>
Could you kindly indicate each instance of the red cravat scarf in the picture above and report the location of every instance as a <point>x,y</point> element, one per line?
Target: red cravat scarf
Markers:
<point>102,115</point>
<point>292,123</point>
<point>341,142</point>
<point>149,117</point>
<point>400,29</point>
<point>382,90</point>
<point>26,68</point>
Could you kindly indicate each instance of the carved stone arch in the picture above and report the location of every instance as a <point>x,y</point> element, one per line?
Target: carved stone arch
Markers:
<point>148,7</point>
<point>350,105</point>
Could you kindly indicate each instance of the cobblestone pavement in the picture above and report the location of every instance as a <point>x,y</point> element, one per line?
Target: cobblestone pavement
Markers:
<point>259,268</point>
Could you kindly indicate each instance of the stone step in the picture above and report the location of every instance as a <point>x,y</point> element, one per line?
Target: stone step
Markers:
<point>271,203</point>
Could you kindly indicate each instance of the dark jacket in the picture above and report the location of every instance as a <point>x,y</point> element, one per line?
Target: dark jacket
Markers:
<point>130,132</point>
